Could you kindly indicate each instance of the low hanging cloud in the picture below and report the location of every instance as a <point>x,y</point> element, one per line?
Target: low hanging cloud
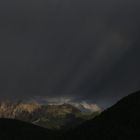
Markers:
<point>91,107</point>
<point>82,105</point>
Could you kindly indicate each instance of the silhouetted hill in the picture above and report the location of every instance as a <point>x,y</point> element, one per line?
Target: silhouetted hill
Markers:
<point>120,122</point>
<point>18,130</point>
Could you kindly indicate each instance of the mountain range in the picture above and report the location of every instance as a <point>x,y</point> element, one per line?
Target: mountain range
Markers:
<point>52,116</point>
<point>119,122</point>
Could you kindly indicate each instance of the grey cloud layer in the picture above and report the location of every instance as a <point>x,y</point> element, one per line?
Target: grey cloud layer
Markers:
<point>80,48</point>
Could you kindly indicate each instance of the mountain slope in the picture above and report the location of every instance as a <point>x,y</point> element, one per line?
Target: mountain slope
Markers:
<point>120,122</point>
<point>18,130</point>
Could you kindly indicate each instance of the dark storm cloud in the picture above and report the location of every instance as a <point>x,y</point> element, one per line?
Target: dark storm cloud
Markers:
<point>82,49</point>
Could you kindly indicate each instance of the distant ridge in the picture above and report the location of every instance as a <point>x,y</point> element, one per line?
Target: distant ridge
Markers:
<point>49,116</point>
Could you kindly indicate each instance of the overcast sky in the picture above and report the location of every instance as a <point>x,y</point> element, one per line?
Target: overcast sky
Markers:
<point>81,49</point>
